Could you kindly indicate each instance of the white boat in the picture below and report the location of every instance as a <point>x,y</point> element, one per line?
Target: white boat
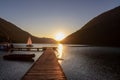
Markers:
<point>29,42</point>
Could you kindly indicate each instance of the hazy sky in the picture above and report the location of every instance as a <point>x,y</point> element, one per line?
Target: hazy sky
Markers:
<point>44,18</point>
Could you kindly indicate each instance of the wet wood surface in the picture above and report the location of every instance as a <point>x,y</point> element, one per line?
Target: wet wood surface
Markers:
<point>46,68</point>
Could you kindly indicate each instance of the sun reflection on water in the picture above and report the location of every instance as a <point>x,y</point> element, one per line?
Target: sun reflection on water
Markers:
<point>60,52</point>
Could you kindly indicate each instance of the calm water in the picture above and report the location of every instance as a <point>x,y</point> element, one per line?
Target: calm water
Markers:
<point>91,63</point>
<point>15,70</point>
<point>80,63</point>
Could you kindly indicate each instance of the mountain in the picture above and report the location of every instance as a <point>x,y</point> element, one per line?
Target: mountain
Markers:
<point>11,33</point>
<point>103,30</point>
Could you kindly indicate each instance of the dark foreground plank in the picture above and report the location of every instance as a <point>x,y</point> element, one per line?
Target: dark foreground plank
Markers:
<point>46,68</point>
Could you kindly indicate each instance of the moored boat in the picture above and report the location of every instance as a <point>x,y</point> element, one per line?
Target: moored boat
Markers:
<point>5,46</point>
<point>20,57</point>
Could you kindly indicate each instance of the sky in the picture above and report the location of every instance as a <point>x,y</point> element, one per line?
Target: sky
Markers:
<point>45,18</point>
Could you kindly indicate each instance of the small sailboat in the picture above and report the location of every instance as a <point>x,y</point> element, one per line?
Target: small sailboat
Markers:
<point>29,42</point>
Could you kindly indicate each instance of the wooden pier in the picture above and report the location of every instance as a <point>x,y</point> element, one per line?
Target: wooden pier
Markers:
<point>46,68</point>
<point>31,48</point>
<point>27,49</point>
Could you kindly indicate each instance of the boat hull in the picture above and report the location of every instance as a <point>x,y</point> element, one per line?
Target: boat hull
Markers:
<point>20,57</point>
<point>29,45</point>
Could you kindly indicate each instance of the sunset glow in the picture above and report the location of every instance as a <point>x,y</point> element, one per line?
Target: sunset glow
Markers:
<point>59,36</point>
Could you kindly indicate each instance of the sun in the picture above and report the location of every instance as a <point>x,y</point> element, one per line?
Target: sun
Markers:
<point>59,36</point>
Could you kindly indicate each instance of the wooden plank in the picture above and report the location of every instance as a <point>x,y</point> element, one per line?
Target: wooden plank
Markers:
<point>46,68</point>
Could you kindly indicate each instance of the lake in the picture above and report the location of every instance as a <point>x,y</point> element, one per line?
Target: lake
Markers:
<point>79,62</point>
